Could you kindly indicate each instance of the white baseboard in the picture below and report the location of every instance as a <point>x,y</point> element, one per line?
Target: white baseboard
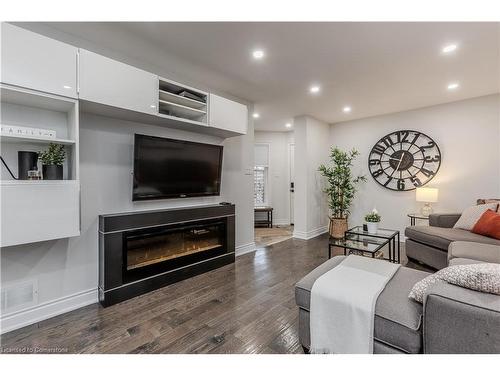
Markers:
<point>281,222</point>
<point>22,318</point>
<point>244,249</point>
<point>302,235</point>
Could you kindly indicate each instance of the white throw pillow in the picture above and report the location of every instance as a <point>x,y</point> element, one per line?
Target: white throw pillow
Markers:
<point>471,215</point>
<point>483,277</point>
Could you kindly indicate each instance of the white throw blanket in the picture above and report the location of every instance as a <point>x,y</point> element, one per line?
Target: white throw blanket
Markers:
<point>343,302</point>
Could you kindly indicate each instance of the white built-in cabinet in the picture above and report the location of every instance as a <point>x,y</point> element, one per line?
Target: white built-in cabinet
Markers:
<point>37,62</point>
<point>45,84</point>
<point>228,115</point>
<point>110,82</point>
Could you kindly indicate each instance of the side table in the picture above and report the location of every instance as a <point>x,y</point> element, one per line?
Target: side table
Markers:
<point>416,216</point>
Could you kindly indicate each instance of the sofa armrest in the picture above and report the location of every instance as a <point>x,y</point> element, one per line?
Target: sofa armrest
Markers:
<point>460,320</point>
<point>443,220</point>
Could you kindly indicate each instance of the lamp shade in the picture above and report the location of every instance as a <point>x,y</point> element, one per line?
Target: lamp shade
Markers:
<point>427,195</point>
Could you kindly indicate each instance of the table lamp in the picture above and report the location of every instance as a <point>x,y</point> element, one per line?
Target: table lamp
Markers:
<point>428,196</point>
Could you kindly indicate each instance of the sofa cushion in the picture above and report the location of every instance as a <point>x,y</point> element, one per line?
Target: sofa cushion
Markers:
<point>442,237</point>
<point>397,318</point>
<point>304,286</point>
<point>463,261</point>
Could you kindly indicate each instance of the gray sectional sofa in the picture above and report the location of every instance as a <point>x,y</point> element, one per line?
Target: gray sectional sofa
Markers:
<point>451,320</point>
<point>429,244</point>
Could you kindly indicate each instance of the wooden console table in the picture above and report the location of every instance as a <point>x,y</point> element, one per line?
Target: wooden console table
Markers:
<point>268,222</point>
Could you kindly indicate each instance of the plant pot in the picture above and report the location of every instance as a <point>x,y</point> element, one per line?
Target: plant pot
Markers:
<point>338,227</point>
<point>372,228</point>
<point>52,172</point>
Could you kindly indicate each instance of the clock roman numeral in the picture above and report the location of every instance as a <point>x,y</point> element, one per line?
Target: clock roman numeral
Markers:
<point>379,149</point>
<point>388,141</point>
<point>427,172</point>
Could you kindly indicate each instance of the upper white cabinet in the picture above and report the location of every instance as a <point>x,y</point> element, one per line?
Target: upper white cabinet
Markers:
<point>34,61</point>
<point>107,81</point>
<point>228,115</point>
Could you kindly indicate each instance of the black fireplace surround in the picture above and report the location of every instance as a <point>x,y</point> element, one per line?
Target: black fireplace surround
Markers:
<point>145,250</point>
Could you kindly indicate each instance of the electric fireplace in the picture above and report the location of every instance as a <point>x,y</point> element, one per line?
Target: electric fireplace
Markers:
<point>146,250</point>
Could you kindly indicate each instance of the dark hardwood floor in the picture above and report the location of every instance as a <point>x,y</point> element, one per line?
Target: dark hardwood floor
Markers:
<point>246,307</point>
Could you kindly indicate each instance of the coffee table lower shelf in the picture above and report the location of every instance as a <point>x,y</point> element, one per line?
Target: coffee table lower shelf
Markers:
<point>363,243</point>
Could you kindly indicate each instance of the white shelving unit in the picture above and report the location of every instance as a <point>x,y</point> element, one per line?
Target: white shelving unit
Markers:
<point>33,211</point>
<point>30,139</point>
<point>182,102</point>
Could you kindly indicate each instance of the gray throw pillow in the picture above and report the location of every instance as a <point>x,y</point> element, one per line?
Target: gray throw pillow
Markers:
<point>483,277</point>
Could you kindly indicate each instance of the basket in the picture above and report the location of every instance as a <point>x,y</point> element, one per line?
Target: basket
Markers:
<point>338,227</point>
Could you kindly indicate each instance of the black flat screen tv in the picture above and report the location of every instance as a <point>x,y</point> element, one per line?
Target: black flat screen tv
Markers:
<point>170,168</point>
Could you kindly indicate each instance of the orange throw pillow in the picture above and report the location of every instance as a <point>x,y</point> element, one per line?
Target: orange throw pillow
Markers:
<point>488,225</point>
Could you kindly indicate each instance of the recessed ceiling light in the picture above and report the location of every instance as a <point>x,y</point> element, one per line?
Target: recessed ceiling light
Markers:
<point>449,48</point>
<point>288,125</point>
<point>347,109</point>
<point>255,115</point>
<point>152,106</point>
<point>67,87</point>
<point>314,89</point>
<point>453,86</point>
<point>258,54</point>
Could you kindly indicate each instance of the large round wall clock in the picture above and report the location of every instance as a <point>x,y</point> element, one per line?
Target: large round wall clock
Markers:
<point>404,160</point>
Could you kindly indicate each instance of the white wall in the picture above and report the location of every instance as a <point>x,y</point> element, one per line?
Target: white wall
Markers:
<point>278,175</point>
<point>66,270</point>
<point>467,133</point>
<point>311,150</point>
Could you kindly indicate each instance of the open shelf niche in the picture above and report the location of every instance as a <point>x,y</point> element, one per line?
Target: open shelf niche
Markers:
<point>31,109</point>
<point>38,210</point>
<point>177,101</point>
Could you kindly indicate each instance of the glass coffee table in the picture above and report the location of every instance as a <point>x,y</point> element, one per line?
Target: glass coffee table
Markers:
<point>357,240</point>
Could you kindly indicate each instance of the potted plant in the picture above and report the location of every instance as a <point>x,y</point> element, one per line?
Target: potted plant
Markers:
<point>372,219</point>
<point>52,162</point>
<point>341,188</point>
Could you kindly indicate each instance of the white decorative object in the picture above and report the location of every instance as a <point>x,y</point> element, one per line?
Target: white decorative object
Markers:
<point>428,196</point>
<point>23,131</point>
<point>372,228</point>
<point>372,220</point>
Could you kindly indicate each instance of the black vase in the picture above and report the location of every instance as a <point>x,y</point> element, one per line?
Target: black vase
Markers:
<point>26,161</point>
<point>52,172</point>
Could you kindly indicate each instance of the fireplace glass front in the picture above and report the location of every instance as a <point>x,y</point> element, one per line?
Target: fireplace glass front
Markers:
<point>170,247</point>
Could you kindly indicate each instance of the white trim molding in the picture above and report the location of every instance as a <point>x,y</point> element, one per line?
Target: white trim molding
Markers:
<point>302,235</point>
<point>281,222</point>
<point>22,318</point>
<point>244,249</point>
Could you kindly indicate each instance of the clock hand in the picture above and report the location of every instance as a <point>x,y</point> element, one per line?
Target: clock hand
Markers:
<point>400,160</point>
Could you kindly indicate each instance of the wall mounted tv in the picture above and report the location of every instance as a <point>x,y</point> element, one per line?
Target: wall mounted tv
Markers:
<point>170,168</point>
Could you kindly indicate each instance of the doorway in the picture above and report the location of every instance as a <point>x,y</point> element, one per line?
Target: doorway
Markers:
<point>291,182</point>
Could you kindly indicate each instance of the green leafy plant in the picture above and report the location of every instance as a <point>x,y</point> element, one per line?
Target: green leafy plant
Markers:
<point>342,186</point>
<point>54,155</point>
<point>373,217</point>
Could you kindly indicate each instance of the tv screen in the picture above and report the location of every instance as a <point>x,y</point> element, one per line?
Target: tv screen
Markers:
<point>169,168</point>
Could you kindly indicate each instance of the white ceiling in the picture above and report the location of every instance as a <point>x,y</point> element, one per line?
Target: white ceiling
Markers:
<point>375,68</point>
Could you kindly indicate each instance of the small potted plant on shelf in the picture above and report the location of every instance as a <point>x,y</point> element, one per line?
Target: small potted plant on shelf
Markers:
<point>341,189</point>
<point>372,219</point>
<point>52,162</point>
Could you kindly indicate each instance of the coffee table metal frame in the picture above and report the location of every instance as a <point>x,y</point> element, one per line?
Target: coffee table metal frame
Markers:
<point>343,243</point>
<point>392,240</point>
